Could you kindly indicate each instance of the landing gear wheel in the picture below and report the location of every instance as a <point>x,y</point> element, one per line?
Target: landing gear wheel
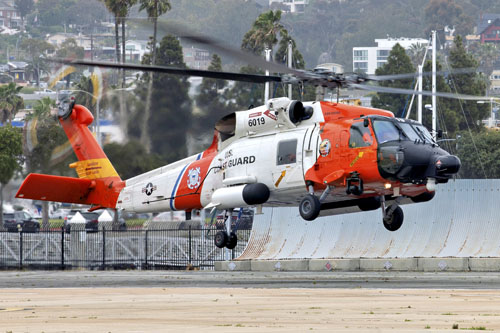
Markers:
<point>393,221</point>
<point>309,207</point>
<point>232,241</point>
<point>221,239</point>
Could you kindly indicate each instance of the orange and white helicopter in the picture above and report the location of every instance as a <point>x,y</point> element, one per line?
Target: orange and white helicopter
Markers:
<point>324,158</point>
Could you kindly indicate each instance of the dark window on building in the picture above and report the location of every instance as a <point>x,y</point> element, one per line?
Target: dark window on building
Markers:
<point>287,152</point>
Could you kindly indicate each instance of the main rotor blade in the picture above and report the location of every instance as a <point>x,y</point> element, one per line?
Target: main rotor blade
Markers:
<point>255,78</point>
<point>389,90</point>
<point>414,75</point>
<point>251,59</point>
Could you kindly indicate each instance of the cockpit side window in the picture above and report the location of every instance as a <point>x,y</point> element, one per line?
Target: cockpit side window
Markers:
<point>410,132</point>
<point>360,136</point>
<point>386,131</point>
<point>424,133</point>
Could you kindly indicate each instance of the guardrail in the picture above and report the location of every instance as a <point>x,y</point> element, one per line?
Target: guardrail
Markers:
<point>136,249</point>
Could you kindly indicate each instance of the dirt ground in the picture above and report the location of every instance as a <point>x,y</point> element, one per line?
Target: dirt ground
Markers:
<point>246,310</point>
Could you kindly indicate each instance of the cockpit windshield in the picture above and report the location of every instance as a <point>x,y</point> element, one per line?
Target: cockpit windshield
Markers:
<point>386,131</point>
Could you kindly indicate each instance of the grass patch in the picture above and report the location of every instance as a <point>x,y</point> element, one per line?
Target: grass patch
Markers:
<point>474,328</point>
<point>448,314</point>
<point>427,327</point>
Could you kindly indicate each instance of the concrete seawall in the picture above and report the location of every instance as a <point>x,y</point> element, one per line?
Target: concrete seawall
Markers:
<point>458,230</point>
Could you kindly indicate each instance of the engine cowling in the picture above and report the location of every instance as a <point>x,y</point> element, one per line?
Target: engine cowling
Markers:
<point>240,196</point>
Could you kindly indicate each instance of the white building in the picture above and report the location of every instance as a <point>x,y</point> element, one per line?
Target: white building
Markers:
<point>292,6</point>
<point>368,59</point>
<point>135,50</point>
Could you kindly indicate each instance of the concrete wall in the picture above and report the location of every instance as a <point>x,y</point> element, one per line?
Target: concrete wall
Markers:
<point>462,221</point>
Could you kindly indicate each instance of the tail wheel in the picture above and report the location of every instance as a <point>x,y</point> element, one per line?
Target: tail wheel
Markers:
<point>309,207</point>
<point>393,221</point>
<point>221,239</point>
<point>232,241</point>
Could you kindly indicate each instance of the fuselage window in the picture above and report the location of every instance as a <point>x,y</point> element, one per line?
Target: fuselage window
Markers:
<point>287,152</point>
<point>360,136</point>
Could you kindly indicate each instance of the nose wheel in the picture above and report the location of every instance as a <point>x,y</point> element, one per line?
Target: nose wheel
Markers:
<point>309,207</point>
<point>393,215</point>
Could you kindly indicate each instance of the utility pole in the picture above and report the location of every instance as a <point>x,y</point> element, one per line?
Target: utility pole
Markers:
<point>419,114</point>
<point>290,54</point>
<point>266,88</point>
<point>434,100</point>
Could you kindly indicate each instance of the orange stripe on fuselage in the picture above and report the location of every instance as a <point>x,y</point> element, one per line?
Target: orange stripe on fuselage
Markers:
<point>189,189</point>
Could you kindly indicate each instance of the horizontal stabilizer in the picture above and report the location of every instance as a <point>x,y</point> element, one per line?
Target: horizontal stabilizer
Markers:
<point>55,188</point>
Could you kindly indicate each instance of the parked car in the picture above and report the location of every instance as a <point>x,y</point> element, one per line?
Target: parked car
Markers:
<point>91,220</point>
<point>60,213</point>
<point>12,222</point>
<point>91,223</point>
<point>44,91</point>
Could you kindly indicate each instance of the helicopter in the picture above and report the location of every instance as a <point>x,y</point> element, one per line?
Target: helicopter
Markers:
<point>325,158</point>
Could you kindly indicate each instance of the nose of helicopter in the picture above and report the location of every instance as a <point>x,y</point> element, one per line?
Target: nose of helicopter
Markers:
<point>447,165</point>
<point>410,162</point>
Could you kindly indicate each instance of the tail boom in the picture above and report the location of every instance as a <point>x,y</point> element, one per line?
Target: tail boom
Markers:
<point>98,183</point>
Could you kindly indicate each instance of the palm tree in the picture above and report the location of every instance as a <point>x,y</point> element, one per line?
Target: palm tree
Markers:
<point>264,33</point>
<point>115,7</point>
<point>120,9</point>
<point>154,8</point>
<point>84,93</point>
<point>42,109</point>
<point>416,53</point>
<point>10,101</point>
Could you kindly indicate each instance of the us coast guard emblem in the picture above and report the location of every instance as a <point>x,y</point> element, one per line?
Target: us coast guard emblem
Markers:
<point>194,179</point>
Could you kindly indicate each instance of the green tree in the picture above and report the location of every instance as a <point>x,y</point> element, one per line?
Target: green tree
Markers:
<point>11,150</point>
<point>54,12</point>
<point>264,33</point>
<point>36,50</point>
<point>171,118</point>
<point>416,53</point>
<point>120,10</point>
<point>210,102</point>
<point>486,55</point>
<point>479,154</point>
<point>84,94</point>
<point>441,13</point>
<point>69,49</point>
<point>245,95</point>
<point>116,8</point>
<point>469,84</point>
<point>448,114</point>
<point>131,159</point>
<point>398,62</point>
<point>49,135</point>
<point>10,101</point>
<point>24,7</point>
<point>154,8</point>
<point>306,93</point>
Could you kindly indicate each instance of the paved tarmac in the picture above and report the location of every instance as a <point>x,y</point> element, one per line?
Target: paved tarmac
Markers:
<point>211,279</point>
<point>207,301</point>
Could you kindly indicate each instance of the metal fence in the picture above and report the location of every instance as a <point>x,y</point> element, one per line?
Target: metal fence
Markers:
<point>105,249</point>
